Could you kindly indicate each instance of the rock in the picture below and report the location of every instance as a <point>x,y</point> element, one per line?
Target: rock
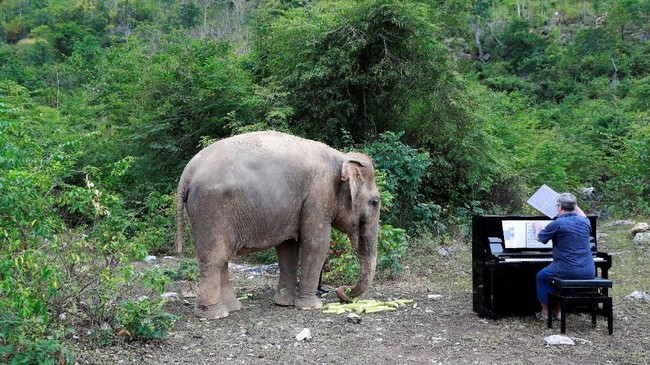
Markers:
<point>353,318</point>
<point>272,269</point>
<point>235,267</point>
<point>558,340</point>
<point>442,251</point>
<point>149,259</point>
<point>434,296</point>
<point>640,227</point>
<point>171,296</point>
<point>618,223</point>
<point>641,295</point>
<point>589,193</point>
<point>304,335</point>
<point>641,238</point>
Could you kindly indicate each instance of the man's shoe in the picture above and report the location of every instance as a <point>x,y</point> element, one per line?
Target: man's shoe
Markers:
<point>541,317</point>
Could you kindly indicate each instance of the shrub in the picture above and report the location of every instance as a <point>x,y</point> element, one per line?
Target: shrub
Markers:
<point>391,246</point>
<point>403,170</point>
<point>144,319</point>
<point>342,264</point>
<point>31,166</point>
<point>57,276</point>
<point>187,270</point>
<point>155,279</point>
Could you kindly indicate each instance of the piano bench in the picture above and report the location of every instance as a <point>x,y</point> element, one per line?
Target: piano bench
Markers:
<point>584,293</point>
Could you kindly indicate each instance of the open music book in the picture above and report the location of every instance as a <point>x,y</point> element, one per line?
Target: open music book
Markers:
<point>520,234</point>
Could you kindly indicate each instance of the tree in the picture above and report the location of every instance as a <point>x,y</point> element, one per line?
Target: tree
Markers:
<point>188,14</point>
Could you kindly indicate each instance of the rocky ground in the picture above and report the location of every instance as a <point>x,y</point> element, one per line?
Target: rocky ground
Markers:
<point>438,328</point>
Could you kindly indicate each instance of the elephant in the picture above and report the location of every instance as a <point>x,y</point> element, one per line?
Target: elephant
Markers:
<point>259,190</point>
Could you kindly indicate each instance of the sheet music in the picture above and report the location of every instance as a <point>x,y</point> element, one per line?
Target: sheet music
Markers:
<point>531,238</point>
<point>545,200</point>
<point>521,234</point>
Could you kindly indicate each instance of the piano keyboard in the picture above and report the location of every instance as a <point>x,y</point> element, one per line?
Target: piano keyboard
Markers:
<point>537,259</point>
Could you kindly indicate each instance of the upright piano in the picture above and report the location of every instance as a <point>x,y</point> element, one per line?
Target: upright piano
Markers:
<point>504,280</point>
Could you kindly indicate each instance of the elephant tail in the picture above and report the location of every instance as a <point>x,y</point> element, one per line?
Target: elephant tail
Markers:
<point>181,197</point>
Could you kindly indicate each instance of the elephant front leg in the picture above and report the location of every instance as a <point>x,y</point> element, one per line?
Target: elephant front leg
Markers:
<point>311,263</point>
<point>208,297</point>
<point>288,253</point>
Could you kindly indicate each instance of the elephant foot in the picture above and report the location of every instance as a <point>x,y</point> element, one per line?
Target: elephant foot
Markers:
<point>284,298</point>
<point>211,312</point>
<point>308,302</point>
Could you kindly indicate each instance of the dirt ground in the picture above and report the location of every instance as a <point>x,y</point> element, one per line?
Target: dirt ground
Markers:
<point>440,328</point>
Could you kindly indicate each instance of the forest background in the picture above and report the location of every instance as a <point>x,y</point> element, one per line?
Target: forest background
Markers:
<point>466,106</point>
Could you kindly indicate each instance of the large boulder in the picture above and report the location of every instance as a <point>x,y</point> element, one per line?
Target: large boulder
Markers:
<point>642,238</point>
<point>641,233</point>
<point>640,227</point>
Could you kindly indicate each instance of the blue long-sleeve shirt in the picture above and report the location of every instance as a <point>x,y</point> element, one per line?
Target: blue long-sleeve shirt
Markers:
<point>572,258</point>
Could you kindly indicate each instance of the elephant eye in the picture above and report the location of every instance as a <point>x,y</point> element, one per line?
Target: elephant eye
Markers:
<point>374,202</point>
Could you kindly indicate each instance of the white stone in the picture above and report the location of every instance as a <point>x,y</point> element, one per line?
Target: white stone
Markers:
<point>641,238</point>
<point>640,227</point>
<point>353,318</point>
<point>149,259</point>
<point>558,340</point>
<point>625,222</point>
<point>641,295</point>
<point>304,335</point>
<point>169,296</point>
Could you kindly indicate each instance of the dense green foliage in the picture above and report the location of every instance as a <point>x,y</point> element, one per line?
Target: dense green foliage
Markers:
<point>466,106</point>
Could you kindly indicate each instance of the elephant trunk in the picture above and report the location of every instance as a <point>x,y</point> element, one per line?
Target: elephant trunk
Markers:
<point>366,275</point>
<point>367,254</point>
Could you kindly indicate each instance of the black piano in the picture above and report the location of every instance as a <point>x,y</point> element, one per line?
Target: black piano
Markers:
<point>504,280</point>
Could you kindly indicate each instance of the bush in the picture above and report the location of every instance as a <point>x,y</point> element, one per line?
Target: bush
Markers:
<point>58,276</point>
<point>144,319</point>
<point>34,160</point>
<point>187,270</point>
<point>48,351</point>
<point>401,172</point>
<point>391,246</point>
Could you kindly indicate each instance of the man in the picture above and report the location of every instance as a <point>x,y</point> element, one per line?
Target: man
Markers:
<point>572,257</point>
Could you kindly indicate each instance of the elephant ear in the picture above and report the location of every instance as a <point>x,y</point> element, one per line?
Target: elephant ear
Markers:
<point>351,171</point>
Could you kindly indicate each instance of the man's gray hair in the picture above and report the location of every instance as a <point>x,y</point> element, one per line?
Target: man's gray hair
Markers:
<point>567,201</point>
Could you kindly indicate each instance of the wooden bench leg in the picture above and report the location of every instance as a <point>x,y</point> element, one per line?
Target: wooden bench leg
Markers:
<point>551,302</point>
<point>610,315</point>
<point>563,309</point>
<point>594,310</point>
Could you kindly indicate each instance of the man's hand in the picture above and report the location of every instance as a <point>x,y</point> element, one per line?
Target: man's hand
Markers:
<point>537,226</point>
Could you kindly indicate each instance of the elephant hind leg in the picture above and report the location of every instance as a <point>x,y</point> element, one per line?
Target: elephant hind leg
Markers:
<point>288,253</point>
<point>209,305</point>
<point>227,293</point>
<point>209,301</point>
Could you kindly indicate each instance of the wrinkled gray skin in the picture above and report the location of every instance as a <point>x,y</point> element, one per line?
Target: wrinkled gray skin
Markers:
<point>266,189</point>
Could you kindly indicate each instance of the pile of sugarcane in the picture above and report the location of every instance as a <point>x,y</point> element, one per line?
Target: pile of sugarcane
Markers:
<point>365,306</point>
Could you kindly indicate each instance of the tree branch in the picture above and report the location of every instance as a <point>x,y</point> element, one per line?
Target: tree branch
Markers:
<point>491,31</point>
